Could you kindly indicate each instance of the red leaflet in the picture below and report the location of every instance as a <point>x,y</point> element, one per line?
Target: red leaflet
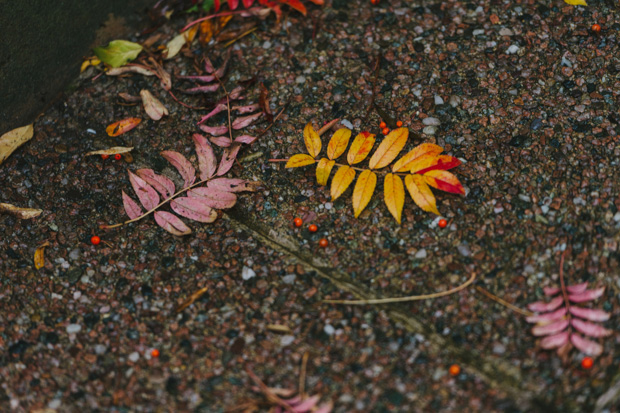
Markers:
<point>213,198</point>
<point>246,109</point>
<point>444,181</point>
<point>247,139</point>
<point>228,159</point>
<point>202,89</point>
<point>216,3</point>
<point>182,165</point>
<point>132,209</point>
<point>542,307</point>
<point>589,313</point>
<point>163,185</point>
<point>207,161</point>
<point>214,130</point>
<point>554,341</point>
<point>590,329</point>
<point>263,101</point>
<point>221,141</point>
<point>209,68</point>
<point>577,288</point>
<point>588,295</point>
<point>193,208</point>
<point>548,329</point>
<point>220,107</point>
<point>171,223</point>
<point>146,194</point>
<point>244,121</point>
<point>232,4</point>
<point>586,346</point>
<point>204,79</point>
<point>443,162</point>
<point>247,3</point>
<point>231,184</point>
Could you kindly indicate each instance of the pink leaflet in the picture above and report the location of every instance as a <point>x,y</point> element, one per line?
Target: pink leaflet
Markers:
<point>542,307</point>
<point>207,161</point>
<point>547,317</point>
<point>586,346</point>
<point>590,329</point>
<point>146,194</point>
<point>550,291</point>
<point>213,198</point>
<point>221,141</point>
<point>324,408</point>
<point>230,184</point>
<point>587,295</point>
<point>218,108</point>
<point>577,288</point>
<point>246,109</point>
<point>247,139</point>
<point>162,184</point>
<point>214,130</point>
<point>235,94</point>
<point>184,167</point>
<point>132,209</point>
<point>307,404</point>
<point>193,208</point>
<point>549,329</point>
<point>202,89</point>
<point>205,79</point>
<point>554,341</point>
<point>233,4</point>
<point>228,159</point>
<point>209,68</point>
<point>589,313</point>
<point>245,121</point>
<point>171,223</point>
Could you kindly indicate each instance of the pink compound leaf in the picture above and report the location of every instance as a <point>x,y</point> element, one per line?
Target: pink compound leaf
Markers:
<point>589,329</point>
<point>589,313</point>
<point>586,346</point>
<point>542,307</point>
<point>587,295</point>
<point>146,194</point>
<point>162,184</point>
<point>228,159</point>
<point>207,161</point>
<point>194,209</point>
<point>132,208</point>
<point>555,341</point>
<point>549,329</point>
<point>180,162</point>
<point>171,223</point>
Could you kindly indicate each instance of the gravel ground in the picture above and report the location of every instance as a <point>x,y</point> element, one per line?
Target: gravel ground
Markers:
<point>525,94</point>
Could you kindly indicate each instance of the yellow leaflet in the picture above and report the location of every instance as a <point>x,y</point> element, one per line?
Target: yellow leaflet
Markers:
<point>360,148</point>
<point>312,141</point>
<point>421,193</point>
<point>394,195</point>
<point>39,257</point>
<point>338,143</point>
<point>387,151</point>
<point>404,163</point>
<point>576,2</point>
<point>342,179</point>
<point>323,169</point>
<point>301,159</point>
<point>445,181</point>
<point>362,193</point>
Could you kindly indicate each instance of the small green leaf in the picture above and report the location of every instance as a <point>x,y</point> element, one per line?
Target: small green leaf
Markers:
<point>118,52</point>
<point>207,5</point>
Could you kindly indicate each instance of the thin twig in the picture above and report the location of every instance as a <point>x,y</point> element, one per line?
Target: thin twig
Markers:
<point>271,396</point>
<point>564,293</point>
<point>302,375</point>
<point>192,298</point>
<point>241,36</point>
<point>226,13</point>
<point>504,302</point>
<point>405,299</point>
<point>227,105</point>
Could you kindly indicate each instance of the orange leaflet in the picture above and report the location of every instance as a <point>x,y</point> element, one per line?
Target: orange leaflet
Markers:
<point>428,162</point>
<point>444,181</point>
<point>421,193</point>
<point>389,149</point>
<point>404,163</point>
<point>394,195</point>
<point>122,126</point>
<point>301,159</point>
<point>312,141</point>
<point>362,193</point>
<point>338,143</point>
<point>360,148</point>
<point>39,255</point>
<point>323,169</point>
<point>342,179</point>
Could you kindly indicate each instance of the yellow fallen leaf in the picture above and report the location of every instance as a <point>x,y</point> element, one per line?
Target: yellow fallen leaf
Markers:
<point>21,213</point>
<point>421,193</point>
<point>360,148</point>
<point>13,140</point>
<point>323,169</point>
<point>342,179</point>
<point>175,45</point>
<point>404,163</point>
<point>394,195</point>
<point>364,188</point>
<point>301,159</point>
<point>338,143</point>
<point>576,2</point>
<point>111,151</point>
<point>39,255</point>
<point>389,149</point>
<point>312,141</point>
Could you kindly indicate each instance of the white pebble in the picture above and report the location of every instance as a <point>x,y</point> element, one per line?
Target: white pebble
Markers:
<point>617,217</point>
<point>478,32</point>
<point>135,356</point>
<point>289,279</point>
<point>505,32</point>
<point>247,273</point>
<point>420,254</point>
<point>429,130</point>
<point>287,340</point>
<point>438,100</point>
<point>91,131</point>
<point>100,349</point>
<point>300,79</point>
<point>512,49</point>
<point>454,101</point>
<point>329,329</point>
<point>54,404</point>
<point>464,250</point>
<point>346,124</point>
<point>73,328</point>
<point>267,45</point>
<point>328,205</point>
<point>431,121</point>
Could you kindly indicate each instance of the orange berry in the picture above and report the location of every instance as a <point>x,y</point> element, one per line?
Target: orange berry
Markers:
<point>313,228</point>
<point>382,125</point>
<point>95,240</point>
<point>104,156</point>
<point>155,353</point>
<point>323,243</point>
<point>596,28</point>
<point>454,370</point>
<point>385,131</point>
<point>587,363</point>
<point>399,123</point>
<point>298,222</point>
<point>117,156</point>
<point>442,223</point>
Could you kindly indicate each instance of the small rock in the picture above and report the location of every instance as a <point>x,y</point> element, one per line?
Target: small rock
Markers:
<point>499,349</point>
<point>54,404</point>
<point>289,279</point>
<point>512,49</point>
<point>346,124</point>
<point>438,100</point>
<point>454,101</point>
<point>536,124</point>
<point>477,32</point>
<point>429,130</point>
<point>267,45</point>
<point>420,254</point>
<point>300,79</point>
<point>247,273</point>
<point>464,250</point>
<point>431,121</point>
<point>505,32</point>
<point>287,340</point>
<point>328,205</point>
<point>75,254</point>
<point>329,329</point>
<point>73,328</point>
<point>100,349</point>
<point>617,217</point>
<point>135,356</point>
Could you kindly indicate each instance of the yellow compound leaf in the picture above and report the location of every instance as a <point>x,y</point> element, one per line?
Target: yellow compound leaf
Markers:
<point>312,141</point>
<point>360,148</point>
<point>338,143</point>
<point>362,193</point>
<point>39,255</point>
<point>421,193</point>
<point>394,195</point>
<point>389,149</point>
<point>576,2</point>
<point>323,169</point>
<point>301,159</point>
<point>404,163</point>
<point>342,179</point>
<point>444,181</point>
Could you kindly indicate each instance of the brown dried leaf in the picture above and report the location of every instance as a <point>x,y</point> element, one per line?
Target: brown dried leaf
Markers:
<point>111,151</point>
<point>39,255</point>
<point>13,140</point>
<point>21,213</point>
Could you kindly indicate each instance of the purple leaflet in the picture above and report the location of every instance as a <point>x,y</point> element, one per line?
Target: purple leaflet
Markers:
<point>246,109</point>
<point>204,79</point>
<point>214,130</point>
<point>587,295</point>
<point>245,121</point>
<point>132,209</point>
<point>547,317</point>
<point>207,161</point>
<point>209,68</point>
<point>213,198</point>
<point>542,307</point>
<point>193,208</point>
<point>586,346</point>
<point>589,313</point>
<point>171,223</point>
<point>554,341</point>
<point>202,89</point>
<point>247,139</point>
<point>228,159</point>
<point>146,194</point>
<point>184,167</point>
<point>162,184</point>
<point>590,329</point>
<point>577,288</point>
<point>218,108</point>
<point>221,141</point>
<point>231,184</point>
<point>549,329</point>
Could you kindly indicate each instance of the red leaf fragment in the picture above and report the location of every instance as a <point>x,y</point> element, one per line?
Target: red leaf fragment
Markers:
<point>220,107</point>
<point>162,184</point>
<point>228,159</point>
<point>235,94</point>
<point>132,208</point>
<point>589,313</point>
<point>231,184</point>
<point>202,89</point>
<point>207,161</point>
<point>171,223</point>
<point>221,141</point>
<point>555,341</point>
<point>204,79</point>
<point>180,162</point>
<point>209,68</point>
<point>586,346</point>
<point>247,139</point>
<point>547,317</point>
<point>550,291</point>
<point>214,130</point>
<point>587,295</point>
<point>193,208</point>
<point>146,194</point>
<point>590,329</point>
<point>245,121</point>
<point>548,329</point>
<point>246,109</point>
<point>543,307</point>
<point>213,198</point>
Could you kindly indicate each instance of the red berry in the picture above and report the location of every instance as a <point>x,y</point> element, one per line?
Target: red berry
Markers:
<point>154,353</point>
<point>596,28</point>
<point>442,223</point>
<point>382,125</point>
<point>385,131</point>
<point>399,123</point>
<point>117,156</point>
<point>298,222</point>
<point>313,228</point>
<point>587,363</point>
<point>104,156</point>
<point>323,243</point>
<point>95,240</point>
<point>375,2</point>
<point>454,370</point>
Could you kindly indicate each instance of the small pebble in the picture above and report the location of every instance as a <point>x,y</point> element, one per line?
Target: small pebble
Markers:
<point>438,100</point>
<point>536,124</point>
<point>135,356</point>
<point>477,32</point>
<point>512,49</point>
<point>429,130</point>
<point>54,404</point>
<point>73,328</point>
<point>247,273</point>
<point>300,79</point>
<point>287,340</point>
<point>505,32</point>
<point>464,250</point>
<point>617,217</point>
<point>420,254</point>
<point>100,349</point>
<point>431,121</point>
<point>91,131</point>
<point>289,279</point>
<point>329,329</point>
<point>346,124</point>
<point>499,349</point>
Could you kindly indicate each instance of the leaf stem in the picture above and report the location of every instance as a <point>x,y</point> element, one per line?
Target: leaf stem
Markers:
<point>503,302</point>
<point>564,293</point>
<point>351,166</point>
